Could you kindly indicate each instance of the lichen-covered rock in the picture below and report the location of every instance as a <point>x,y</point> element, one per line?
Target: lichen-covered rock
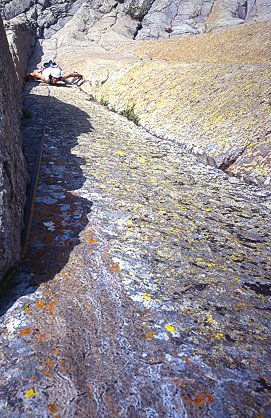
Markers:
<point>219,111</point>
<point>147,282</point>
<point>12,164</point>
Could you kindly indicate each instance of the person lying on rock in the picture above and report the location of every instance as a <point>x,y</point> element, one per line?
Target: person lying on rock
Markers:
<point>51,73</point>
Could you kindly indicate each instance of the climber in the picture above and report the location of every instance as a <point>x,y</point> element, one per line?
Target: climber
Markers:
<point>51,73</point>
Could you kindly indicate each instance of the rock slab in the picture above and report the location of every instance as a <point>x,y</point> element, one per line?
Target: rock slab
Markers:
<point>146,288</point>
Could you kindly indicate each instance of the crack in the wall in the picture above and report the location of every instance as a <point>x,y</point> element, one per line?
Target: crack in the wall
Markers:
<point>172,20</point>
<point>231,160</point>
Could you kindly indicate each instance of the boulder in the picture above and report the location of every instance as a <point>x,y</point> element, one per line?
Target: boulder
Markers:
<point>172,18</point>
<point>90,25</point>
<point>137,9</point>
<point>16,7</point>
<point>224,13</point>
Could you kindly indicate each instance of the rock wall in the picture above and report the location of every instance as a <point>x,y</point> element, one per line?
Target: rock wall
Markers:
<point>13,175</point>
<point>153,18</point>
<point>21,39</point>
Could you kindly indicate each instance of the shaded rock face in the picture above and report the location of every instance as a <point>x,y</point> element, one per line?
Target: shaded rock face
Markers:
<point>12,164</point>
<point>155,18</point>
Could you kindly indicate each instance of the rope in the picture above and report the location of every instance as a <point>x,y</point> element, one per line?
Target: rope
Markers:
<point>29,208</point>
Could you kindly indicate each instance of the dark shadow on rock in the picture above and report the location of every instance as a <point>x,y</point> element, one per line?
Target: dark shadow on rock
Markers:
<point>36,56</point>
<point>60,214</point>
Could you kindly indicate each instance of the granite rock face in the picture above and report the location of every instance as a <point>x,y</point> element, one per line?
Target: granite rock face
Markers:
<point>152,18</point>
<point>92,26</point>
<point>21,39</point>
<point>12,164</point>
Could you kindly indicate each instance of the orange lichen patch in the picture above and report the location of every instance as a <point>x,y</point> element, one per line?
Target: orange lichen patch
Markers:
<point>198,398</point>
<point>181,382</point>
<point>40,336</point>
<point>25,332</point>
<point>115,266</point>
<point>56,351</point>
<point>187,360</point>
<point>52,407</point>
<point>115,412</point>
<point>49,363</point>
<point>47,367</point>
<point>39,303</point>
<point>89,231</point>
<point>46,372</point>
<point>92,240</point>
<point>89,391</point>
<point>107,398</point>
<point>105,254</point>
<point>149,335</point>
<point>51,305</point>
<point>62,366</point>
